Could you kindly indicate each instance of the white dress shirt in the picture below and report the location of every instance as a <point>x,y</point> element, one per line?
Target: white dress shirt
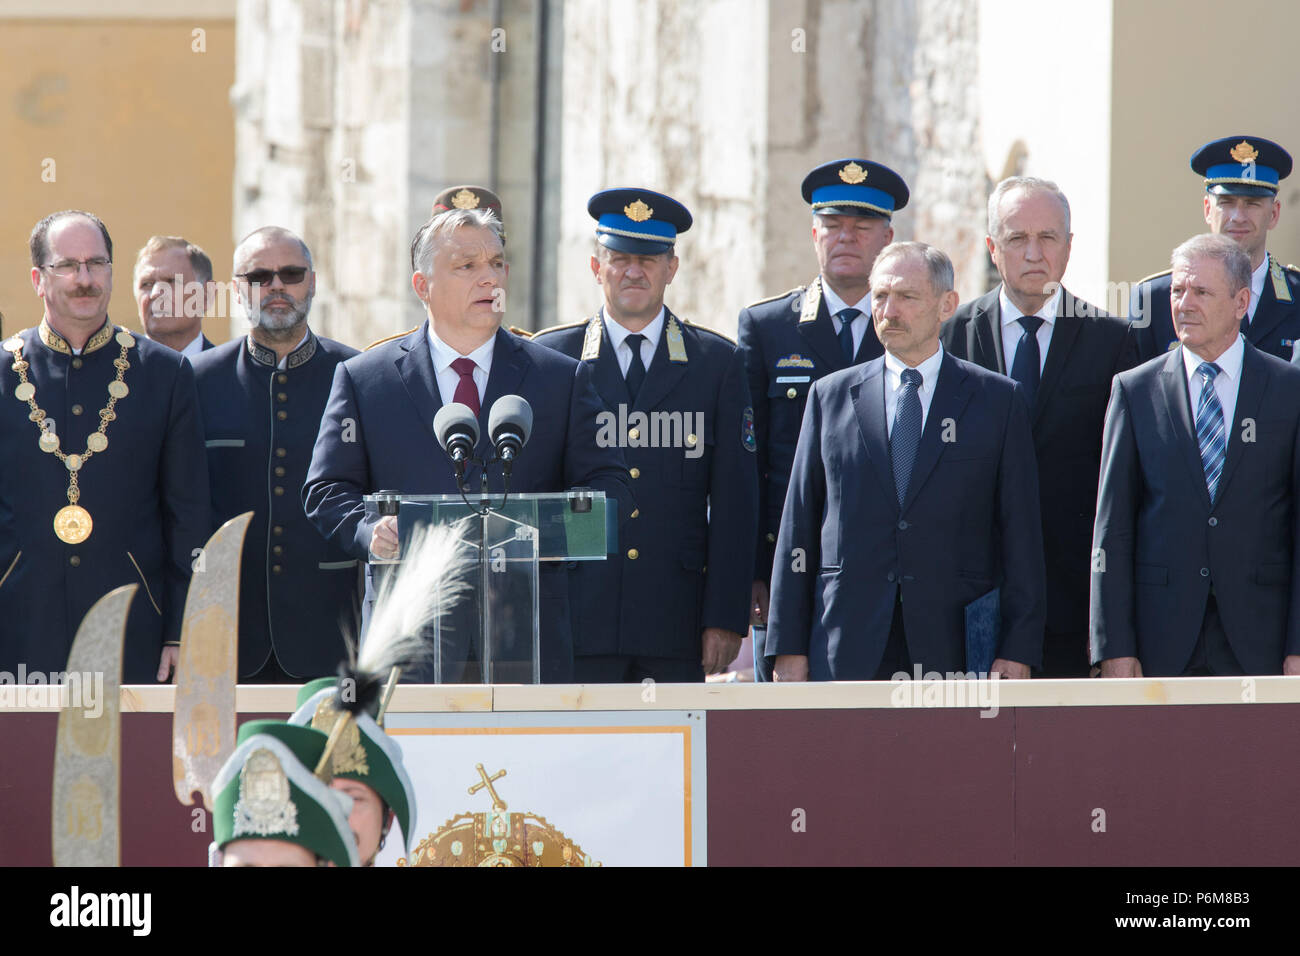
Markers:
<point>834,305</point>
<point>618,338</point>
<point>1226,382</point>
<point>1257,287</point>
<point>448,378</point>
<point>1013,331</point>
<point>929,370</point>
<point>194,348</point>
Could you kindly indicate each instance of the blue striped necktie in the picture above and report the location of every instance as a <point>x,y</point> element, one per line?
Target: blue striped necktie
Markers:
<point>1211,435</point>
<point>905,439</point>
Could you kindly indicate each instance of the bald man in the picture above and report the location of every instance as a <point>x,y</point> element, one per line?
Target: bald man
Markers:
<point>262,398</point>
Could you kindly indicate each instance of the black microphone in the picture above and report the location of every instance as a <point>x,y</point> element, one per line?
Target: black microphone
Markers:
<point>456,427</point>
<point>510,423</point>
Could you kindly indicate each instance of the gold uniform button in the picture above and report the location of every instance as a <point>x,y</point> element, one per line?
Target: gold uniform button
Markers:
<point>279,471</point>
<point>74,561</point>
<point>77,409</point>
<point>282,415</point>
<point>282,396</point>
<point>280,453</point>
<point>633,554</point>
<point>277,550</point>
<point>282,378</point>
<point>275,569</point>
<point>691,440</point>
<point>771,538</point>
<point>634,433</point>
<point>635,512</point>
<point>634,472</point>
<point>279,490</point>
<point>277,531</point>
<point>791,392</point>
<point>76,362</point>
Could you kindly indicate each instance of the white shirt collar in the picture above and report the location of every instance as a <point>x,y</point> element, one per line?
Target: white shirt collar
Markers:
<point>929,369</point>
<point>1229,362</point>
<point>617,333</point>
<point>1257,278</point>
<point>1010,313</point>
<point>443,354</point>
<point>835,304</point>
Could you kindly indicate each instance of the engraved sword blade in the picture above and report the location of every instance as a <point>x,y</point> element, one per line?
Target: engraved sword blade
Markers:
<point>203,722</point>
<point>84,814</point>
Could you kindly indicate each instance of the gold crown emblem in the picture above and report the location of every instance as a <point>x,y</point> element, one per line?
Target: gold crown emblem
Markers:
<point>1243,152</point>
<point>465,200</point>
<point>638,211</point>
<point>853,174</point>
<point>497,838</point>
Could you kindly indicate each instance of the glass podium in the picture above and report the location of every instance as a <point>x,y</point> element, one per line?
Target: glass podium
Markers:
<point>492,634</point>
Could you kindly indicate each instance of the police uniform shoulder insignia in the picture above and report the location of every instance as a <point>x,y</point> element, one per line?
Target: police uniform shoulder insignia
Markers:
<point>812,300</point>
<point>591,342</point>
<point>1154,275</point>
<point>522,333</point>
<point>557,328</point>
<point>1281,288</point>
<point>780,295</point>
<point>747,437</point>
<point>704,328</point>
<point>676,345</point>
<point>387,338</point>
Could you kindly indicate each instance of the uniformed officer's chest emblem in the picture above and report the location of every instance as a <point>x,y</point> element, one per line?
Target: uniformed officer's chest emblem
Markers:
<point>747,431</point>
<point>794,360</point>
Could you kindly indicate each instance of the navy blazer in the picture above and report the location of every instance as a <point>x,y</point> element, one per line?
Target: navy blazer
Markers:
<point>787,345</point>
<point>377,433</point>
<point>969,524</point>
<point>297,590</point>
<point>1159,544</point>
<point>697,504</point>
<point>147,495</point>
<point>1275,328</point>
<point>1088,348</point>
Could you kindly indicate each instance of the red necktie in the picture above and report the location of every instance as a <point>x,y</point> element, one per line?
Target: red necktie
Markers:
<point>466,390</point>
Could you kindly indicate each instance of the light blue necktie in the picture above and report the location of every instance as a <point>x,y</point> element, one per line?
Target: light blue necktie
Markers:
<point>906,436</point>
<point>1210,432</point>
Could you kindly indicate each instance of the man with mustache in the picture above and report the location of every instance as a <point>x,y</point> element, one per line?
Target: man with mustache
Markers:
<point>1063,352</point>
<point>103,482</point>
<point>262,398</point>
<point>1242,175</point>
<point>173,290</point>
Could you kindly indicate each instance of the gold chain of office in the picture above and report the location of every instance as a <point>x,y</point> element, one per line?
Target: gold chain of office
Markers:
<point>72,523</point>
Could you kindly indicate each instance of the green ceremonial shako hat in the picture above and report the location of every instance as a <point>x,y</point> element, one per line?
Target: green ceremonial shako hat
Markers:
<point>363,753</point>
<point>267,791</point>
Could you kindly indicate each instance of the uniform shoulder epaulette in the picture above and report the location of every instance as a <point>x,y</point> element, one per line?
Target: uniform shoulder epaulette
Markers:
<point>1291,268</point>
<point>1155,275</point>
<point>560,328</point>
<point>705,328</point>
<point>388,338</point>
<point>522,333</point>
<point>773,298</point>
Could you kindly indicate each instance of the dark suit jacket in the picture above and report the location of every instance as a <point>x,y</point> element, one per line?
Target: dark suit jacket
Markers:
<point>1275,328</point>
<point>1088,348</point>
<point>1165,546</point>
<point>297,590</point>
<point>787,345</point>
<point>389,395</point>
<point>697,505</point>
<point>147,495</point>
<point>968,525</point>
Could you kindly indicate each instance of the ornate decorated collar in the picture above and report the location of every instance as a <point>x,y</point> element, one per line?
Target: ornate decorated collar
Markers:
<point>58,343</point>
<point>299,356</point>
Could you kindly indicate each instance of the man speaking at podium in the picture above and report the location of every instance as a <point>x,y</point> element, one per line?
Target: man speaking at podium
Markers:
<point>377,432</point>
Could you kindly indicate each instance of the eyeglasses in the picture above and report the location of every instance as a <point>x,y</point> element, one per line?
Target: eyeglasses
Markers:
<point>289,275</point>
<point>98,267</point>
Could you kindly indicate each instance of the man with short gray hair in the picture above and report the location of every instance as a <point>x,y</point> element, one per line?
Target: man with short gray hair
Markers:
<point>913,496</point>
<point>1196,548</point>
<point>377,432</point>
<point>1063,352</point>
<point>262,397</point>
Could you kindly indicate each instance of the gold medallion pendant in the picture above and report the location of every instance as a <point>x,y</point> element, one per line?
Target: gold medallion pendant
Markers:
<point>72,524</point>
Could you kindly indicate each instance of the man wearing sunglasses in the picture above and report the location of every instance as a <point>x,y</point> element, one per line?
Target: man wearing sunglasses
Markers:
<point>102,481</point>
<point>262,398</point>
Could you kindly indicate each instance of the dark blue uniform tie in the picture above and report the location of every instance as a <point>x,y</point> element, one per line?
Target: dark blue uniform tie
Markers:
<point>1028,361</point>
<point>906,436</point>
<point>846,317</point>
<point>635,371</point>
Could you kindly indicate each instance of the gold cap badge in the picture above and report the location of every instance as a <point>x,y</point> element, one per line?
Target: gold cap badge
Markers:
<point>465,200</point>
<point>638,211</point>
<point>1243,152</point>
<point>853,174</point>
